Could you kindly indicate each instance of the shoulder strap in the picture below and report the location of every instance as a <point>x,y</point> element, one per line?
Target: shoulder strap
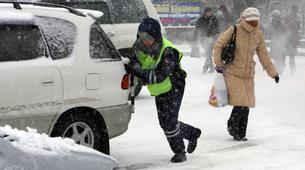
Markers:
<point>233,38</point>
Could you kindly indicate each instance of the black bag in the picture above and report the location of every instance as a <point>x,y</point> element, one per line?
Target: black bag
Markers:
<point>227,54</point>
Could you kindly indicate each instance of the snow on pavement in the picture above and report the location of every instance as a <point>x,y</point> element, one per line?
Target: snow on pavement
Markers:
<point>276,129</point>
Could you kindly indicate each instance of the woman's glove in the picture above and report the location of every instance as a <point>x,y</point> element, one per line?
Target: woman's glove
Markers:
<point>219,69</point>
<point>277,79</point>
<point>133,68</point>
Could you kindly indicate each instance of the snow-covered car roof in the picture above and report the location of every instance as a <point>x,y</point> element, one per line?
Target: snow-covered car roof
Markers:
<point>69,1</point>
<point>18,5</point>
<point>93,13</point>
<point>8,17</point>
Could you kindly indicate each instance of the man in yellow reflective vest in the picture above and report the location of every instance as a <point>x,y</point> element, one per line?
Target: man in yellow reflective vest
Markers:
<point>157,64</point>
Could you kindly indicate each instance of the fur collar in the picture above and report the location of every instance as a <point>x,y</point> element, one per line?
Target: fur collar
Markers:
<point>248,27</point>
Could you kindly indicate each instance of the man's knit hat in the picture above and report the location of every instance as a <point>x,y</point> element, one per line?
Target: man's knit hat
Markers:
<point>152,27</point>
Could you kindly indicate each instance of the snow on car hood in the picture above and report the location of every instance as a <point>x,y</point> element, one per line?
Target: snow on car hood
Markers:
<point>33,151</point>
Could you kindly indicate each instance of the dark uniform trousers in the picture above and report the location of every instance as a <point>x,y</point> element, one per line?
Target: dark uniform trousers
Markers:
<point>238,121</point>
<point>168,105</point>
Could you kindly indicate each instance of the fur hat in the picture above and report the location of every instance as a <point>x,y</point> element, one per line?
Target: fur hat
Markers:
<point>251,14</point>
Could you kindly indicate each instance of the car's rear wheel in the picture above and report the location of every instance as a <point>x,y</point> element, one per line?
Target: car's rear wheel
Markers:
<point>84,128</point>
<point>81,133</point>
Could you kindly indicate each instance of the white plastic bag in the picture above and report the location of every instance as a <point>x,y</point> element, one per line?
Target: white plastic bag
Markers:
<point>219,94</point>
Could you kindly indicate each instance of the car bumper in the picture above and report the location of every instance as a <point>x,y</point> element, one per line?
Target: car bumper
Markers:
<point>116,118</point>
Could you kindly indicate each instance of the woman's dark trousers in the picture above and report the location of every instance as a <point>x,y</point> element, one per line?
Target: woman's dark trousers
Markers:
<point>237,123</point>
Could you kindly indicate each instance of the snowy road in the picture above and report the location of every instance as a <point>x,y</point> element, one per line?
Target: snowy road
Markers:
<point>276,129</point>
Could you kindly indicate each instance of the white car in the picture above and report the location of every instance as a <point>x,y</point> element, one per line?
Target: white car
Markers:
<point>61,74</point>
<point>120,21</point>
<point>121,17</point>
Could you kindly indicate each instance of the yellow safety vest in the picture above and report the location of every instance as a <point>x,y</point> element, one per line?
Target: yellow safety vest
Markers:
<point>149,62</point>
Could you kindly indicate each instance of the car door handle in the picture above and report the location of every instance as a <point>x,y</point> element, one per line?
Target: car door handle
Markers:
<point>110,34</point>
<point>47,82</point>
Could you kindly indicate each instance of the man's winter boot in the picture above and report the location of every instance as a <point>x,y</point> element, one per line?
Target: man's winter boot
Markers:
<point>178,157</point>
<point>193,142</point>
<point>238,138</point>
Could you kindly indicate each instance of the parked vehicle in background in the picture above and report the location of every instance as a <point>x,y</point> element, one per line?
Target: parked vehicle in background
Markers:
<point>61,75</point>
<point>120,20</point>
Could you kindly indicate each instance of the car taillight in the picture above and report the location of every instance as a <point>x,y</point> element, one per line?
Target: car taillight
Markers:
<point>125,82</point>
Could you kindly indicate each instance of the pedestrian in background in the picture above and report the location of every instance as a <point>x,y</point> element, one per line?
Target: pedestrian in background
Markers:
<point>278,40</point>
<point>239,75</point>
<point>158,66</point>
<point>206,32</point>
<point>292,26</point>
<point>225,18</point>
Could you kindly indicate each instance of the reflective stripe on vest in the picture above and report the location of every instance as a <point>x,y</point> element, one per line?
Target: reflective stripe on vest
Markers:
<point>149,62</point>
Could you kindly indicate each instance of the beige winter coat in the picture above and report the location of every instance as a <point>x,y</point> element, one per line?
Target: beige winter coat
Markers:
<point>239,75</point>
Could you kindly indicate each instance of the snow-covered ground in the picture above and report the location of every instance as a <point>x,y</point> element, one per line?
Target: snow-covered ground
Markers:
<point>276,129</point>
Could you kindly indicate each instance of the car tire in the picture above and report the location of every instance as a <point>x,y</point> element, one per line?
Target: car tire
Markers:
<point>84,129</point>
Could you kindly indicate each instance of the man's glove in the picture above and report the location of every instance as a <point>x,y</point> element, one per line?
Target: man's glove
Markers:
<point>277,79</point>
<point>133,68</point>
<point>129,68</point>
<point>219,69</point>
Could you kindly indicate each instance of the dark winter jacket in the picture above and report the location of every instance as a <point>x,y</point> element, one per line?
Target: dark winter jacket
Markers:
<point>292,27</point>
<point>224,22</point>
<point>276,25</point>
<point>278,36</point>
<point>207,26</point>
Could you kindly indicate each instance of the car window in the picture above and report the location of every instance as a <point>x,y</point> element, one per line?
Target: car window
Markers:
<point>20,42</point>
<point>128,11</point>
<point>100,46</point>
<point>60,35</point>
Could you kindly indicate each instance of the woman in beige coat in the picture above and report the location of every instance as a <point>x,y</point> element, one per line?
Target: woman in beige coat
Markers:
<point>239,75</point>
